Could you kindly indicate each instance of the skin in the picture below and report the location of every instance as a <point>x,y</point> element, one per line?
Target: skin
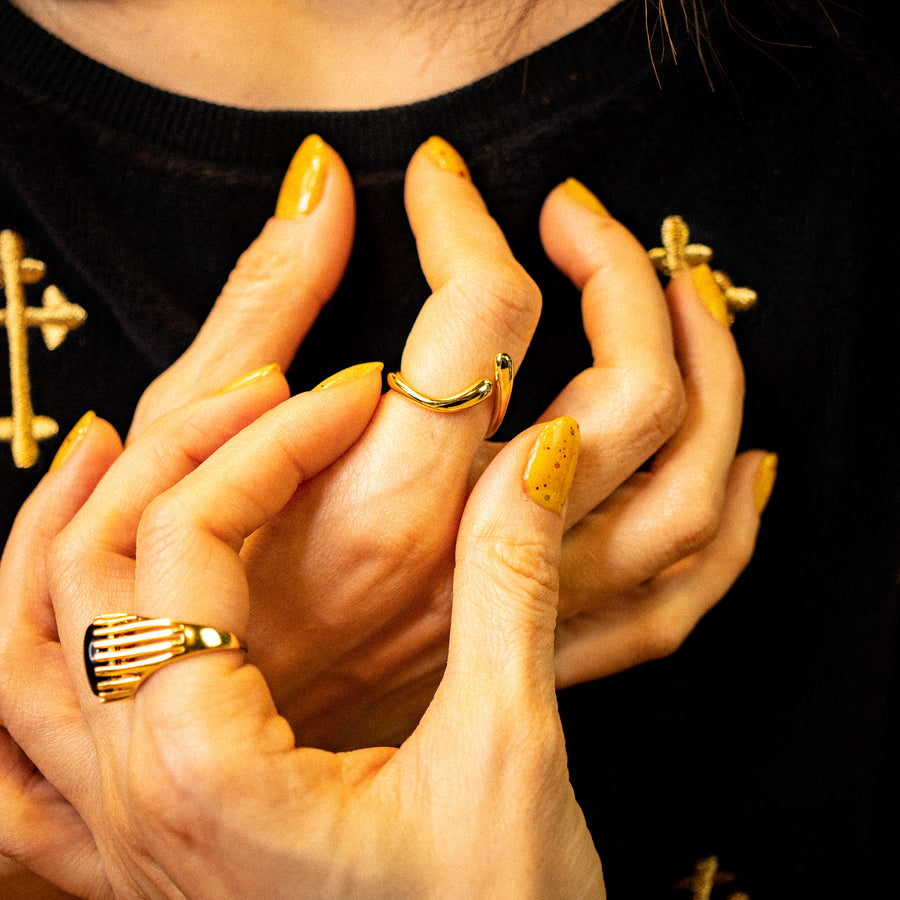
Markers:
<point>56,824</point>
<point>633,583</point>
<point>631,403</point>
<point>264,817</point>
<point>316,54</point>
<point>339,687</point>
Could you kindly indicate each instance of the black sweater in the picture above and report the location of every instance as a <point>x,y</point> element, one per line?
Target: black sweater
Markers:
<point>767,738</point>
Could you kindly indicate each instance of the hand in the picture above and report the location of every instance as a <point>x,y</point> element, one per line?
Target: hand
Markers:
<point>196,785</point>
<point>643,562</point>
<point>377,530</point>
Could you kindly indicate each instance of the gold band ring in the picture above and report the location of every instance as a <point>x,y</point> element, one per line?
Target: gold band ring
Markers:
<point>122,650</point>
<point>500,389</point>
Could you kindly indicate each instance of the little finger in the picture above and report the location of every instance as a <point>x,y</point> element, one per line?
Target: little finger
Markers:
<point>652,620</point>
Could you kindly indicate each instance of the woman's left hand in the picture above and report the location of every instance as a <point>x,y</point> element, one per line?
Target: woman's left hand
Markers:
<point>195,786</point>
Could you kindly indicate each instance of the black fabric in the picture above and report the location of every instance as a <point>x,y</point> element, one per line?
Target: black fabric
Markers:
<point>769,738</point>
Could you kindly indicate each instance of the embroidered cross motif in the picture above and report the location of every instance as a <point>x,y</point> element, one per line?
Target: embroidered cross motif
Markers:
<point>676,254</point>
<point>56,318</point>
<point>707,876</point>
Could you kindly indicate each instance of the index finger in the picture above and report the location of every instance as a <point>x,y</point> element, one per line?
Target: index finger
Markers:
<point>482,302</point>
<point>276,290</point>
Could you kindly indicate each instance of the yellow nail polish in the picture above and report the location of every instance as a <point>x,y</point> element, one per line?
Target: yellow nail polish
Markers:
<point>711,294</point>
<point>304,181</point>
<point>765,481</point>
<point>551,468</point>
<point>249,378</point>
<point>349,374</point>
<point>73,439</point>
<point>446,157</point>
<point>580,194</point>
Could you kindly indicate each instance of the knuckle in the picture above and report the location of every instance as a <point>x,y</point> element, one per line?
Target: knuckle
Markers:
<point>165,524</point>
<point>512,295</point>
<point>258,267</point>
<point>528,570</point>
<point>655,401</point>
<point>66,560</point>
<point>165,392</point>
<point>697,523</point>
<point>660,634</point>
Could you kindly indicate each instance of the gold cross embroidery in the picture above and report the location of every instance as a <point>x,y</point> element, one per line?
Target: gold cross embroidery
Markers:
<point>676,254</point>
<point>56,318</point>
<point>707,876</point>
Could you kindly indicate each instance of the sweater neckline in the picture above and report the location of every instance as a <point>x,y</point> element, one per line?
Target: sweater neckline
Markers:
<point>604,57</point>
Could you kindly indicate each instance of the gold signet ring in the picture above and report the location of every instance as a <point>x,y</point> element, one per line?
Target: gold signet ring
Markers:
<point>121,651</point>
<point>500,389</point>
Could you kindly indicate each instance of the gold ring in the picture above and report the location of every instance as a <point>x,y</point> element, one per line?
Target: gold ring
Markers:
<point>500,388</point>
<point>122,650</point>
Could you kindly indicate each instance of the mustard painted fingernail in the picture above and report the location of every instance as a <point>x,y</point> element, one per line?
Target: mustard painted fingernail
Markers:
<point>551,468</point>
<point>446,157</point>
<point>711,294</point>
<point>304,181</point>
<point>580,194</point>
<point>349,374</point>
<point>249,378</point>
<point>73,439</point>
<point>765,481</point>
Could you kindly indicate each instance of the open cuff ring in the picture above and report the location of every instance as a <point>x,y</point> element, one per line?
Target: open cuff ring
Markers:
<point>500,389</point>
<point>122,650</point>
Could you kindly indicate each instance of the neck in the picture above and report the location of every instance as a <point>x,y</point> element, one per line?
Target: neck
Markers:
<point>309,54</point>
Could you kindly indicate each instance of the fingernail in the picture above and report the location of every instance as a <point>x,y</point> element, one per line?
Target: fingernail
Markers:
<point>765,481</point>
<point>580,194</point>
<point>446,157</point>
<point>349,374</point>
<point>73,439</point>
<point>304,181</point>
<point>551,468</point>
<point>249,378</point>
<point>711,294</point>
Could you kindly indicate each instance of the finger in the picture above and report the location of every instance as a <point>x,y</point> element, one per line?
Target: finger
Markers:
<point>652,620</point>
<point>188,568</point>
<point>505,584</point>
<point>91,563</point>
<point>42,831</point>
<point>277,289</point>
<point>208,515</point>
<point>631,400</point>
<point>670,512</point>
<point>174,446</point>
<point>234,492</point>
<point>482,302</point>
<point>37,699</point>
<point>493,730</point>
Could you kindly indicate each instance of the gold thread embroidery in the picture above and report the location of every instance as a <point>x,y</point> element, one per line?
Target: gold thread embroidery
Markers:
<point>56,318</point>
<point>707,876</point>
<point>676,255</point>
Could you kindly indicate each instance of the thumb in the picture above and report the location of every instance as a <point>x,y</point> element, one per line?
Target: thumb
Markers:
<point>506,582</point>
<point>275,291</point>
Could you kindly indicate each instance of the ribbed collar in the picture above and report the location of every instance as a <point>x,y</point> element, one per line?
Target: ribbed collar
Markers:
<point>605,56</point>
